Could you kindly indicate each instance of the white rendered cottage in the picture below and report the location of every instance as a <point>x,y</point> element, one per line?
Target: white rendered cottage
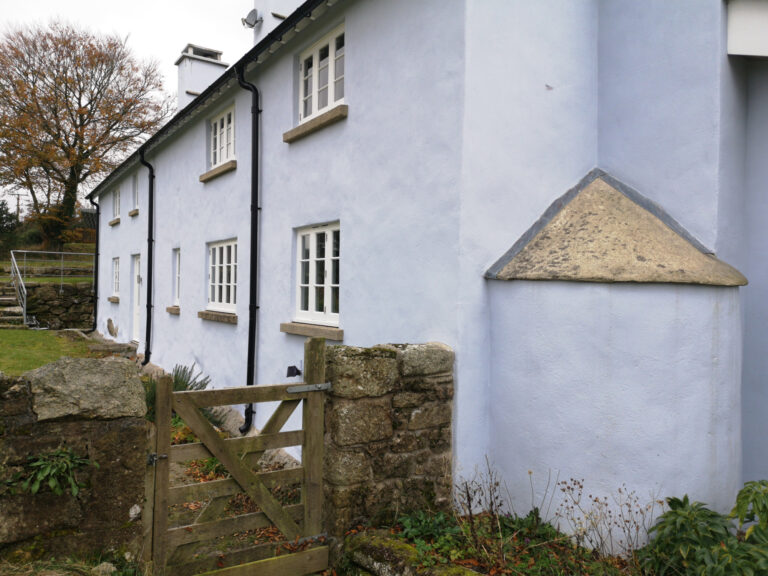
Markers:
<point>357,174</point>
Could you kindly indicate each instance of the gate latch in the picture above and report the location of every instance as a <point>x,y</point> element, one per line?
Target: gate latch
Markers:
<point>308,388</point>
<point>153,458</point>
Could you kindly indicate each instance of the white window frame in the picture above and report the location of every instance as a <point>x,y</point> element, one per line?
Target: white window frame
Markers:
<point>116,203</point>
<point>135,190</point>
<point>115,276</point>
<point>222,137</point>
<point>222,276</point>
<point>176,285</point>
<point>309,284</point>
<point>309,76</point>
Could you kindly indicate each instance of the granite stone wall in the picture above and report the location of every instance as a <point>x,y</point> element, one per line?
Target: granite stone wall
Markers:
<point>95,408</point>
<point>61,306</point>
<point>388,423</point>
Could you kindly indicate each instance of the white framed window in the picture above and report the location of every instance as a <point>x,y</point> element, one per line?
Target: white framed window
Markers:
<point>176,276</point>
<point>135,191</point>
<point>115,276</point>
<point>223,137</point>
<point>222,276</point>
<point>317,273</point>
<point>321,75</point>
<point>116,203</point>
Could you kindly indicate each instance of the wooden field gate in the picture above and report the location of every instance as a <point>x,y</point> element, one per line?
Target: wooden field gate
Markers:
<point>197,527</point>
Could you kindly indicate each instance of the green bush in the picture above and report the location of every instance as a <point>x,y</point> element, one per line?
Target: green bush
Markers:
<point>690,539</point>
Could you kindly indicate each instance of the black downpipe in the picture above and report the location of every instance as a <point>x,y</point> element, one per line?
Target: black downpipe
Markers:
<point>253,292</point>
<point>96,266</point>
<point>150,253</point>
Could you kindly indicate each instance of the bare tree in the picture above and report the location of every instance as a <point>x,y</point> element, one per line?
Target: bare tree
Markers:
<point>73,104</point>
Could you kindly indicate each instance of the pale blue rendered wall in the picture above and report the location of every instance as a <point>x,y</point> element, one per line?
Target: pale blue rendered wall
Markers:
<point>530,133</point>
<point>617,384</point>
<point>755,415</point>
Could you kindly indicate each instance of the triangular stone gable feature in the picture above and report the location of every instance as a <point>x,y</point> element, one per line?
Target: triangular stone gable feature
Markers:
<point>604,231</point>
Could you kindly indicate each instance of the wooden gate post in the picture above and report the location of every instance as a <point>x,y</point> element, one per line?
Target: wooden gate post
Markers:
<point>147,513</point>
<point>163,414</point>
<point>312,449</point>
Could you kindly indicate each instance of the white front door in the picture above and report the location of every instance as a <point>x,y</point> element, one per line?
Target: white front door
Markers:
<point>136,305</point>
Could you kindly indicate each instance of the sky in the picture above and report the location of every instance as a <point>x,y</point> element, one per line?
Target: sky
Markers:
<point>156,29</point>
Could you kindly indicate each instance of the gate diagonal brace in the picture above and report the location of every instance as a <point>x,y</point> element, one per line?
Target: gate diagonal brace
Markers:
<point>308,388</point>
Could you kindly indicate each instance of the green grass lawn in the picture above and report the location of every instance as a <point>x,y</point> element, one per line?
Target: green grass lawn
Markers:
<point>22,350</point>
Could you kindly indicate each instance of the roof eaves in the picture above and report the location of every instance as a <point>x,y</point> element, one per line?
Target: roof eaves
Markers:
<point>310,10</point>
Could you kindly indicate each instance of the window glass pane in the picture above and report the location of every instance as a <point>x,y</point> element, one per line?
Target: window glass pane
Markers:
<point>322,77</point>
<point>304,273</point>
<point>336,243</point>
<point>220,294</point>
<point>322,98</point>
<point>335,272</point>
<point>234,294</point>
<point>319,301</point>
<point>305,298</point>
<point>320,245</point>
<point>228,300</point>
<point>324,51</point>
<point>308,106</point>
<point>338,70</point>
<point>338,89</point>
<point>335,300</point>
<point>320,272</point>
<point>339,44</point>
<point>305,246</point>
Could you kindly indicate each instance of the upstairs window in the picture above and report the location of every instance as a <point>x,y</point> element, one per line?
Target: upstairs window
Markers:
<point>116,204</point>
<point>317,271</point>
<point>135,191</point>
<point>223,138</point>
<point>321,70</point>
<point>222,276</point>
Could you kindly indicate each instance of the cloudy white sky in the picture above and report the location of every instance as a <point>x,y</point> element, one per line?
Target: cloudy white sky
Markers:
<point>156,29</point>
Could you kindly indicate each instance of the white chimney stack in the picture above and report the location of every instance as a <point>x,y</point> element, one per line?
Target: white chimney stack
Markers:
<point>198,68</point>
<point>272,12</point>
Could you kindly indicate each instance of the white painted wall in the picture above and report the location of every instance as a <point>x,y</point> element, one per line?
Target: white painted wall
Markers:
<point>123,241</point>
<point>617,383</point>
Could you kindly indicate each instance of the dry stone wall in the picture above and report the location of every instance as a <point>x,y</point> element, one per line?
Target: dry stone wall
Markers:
<point>387,431</point>
<point>61,306</point>
<point>95,408</point>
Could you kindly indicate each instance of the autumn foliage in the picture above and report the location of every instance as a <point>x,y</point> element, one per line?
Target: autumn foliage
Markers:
<point>73,104</point>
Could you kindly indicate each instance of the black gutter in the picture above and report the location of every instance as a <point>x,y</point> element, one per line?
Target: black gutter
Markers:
<point>150,252</point>
<point>96,265</point>
<point>253,282</point>
<point>303,11</point>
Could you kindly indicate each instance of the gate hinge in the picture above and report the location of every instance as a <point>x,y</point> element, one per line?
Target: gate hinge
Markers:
<point>153,458</point>
<point>308,388</point>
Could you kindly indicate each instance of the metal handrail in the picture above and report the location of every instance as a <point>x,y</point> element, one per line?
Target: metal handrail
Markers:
<point>28,264</point>
<point>18,284</point>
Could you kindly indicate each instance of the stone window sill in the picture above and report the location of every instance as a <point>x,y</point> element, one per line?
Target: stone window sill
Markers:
<point>319,122</point>
<point>218,171</point>
<point>134,212</point>
<point>312,330</point>
<point>114,299</point>
<point>175,310</point>
<point>114,221</point>
<point>213,316</point>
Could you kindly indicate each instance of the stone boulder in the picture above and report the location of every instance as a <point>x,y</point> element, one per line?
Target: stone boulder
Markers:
<point>87,388</point>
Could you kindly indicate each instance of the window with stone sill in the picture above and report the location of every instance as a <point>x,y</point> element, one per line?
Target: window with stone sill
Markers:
<point>321,76</point>
<point>222,276</point>
<point>222,138</point>
<point>318,260</point>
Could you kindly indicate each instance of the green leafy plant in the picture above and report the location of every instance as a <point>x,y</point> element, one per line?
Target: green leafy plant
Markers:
<point>752,506</point>
<point>55,470</point>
